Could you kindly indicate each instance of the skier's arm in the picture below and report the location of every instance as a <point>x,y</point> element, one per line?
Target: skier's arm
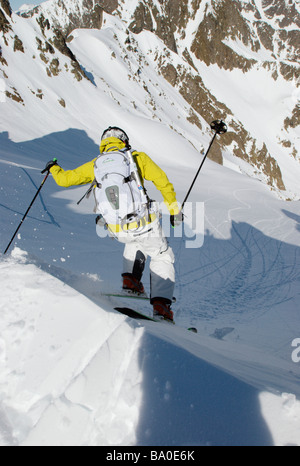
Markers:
<point>81,175</point>
<point>152,172</point>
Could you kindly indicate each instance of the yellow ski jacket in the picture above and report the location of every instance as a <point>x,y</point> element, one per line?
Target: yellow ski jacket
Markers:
<point>148,169</point>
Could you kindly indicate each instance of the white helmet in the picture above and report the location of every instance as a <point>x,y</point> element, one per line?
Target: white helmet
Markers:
<point>114,131</point>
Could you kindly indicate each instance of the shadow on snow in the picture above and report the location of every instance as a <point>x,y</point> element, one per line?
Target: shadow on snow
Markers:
<point>247,275</point>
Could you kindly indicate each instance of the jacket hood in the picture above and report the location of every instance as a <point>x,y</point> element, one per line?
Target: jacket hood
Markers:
<point>111,144</point>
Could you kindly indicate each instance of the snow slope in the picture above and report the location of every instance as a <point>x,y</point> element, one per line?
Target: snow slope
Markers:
<point>75,372</point>
<point>63,347</point>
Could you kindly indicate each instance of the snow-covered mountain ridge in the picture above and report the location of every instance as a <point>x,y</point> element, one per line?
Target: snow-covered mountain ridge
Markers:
<point>72,370</point>
<point>228,59</point>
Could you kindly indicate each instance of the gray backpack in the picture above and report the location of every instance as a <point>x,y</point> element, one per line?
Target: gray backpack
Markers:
<point>120,196</point>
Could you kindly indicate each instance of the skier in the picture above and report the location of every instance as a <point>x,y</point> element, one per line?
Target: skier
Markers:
<point>143,237</point>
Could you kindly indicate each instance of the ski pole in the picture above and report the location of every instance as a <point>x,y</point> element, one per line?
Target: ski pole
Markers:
<point>87,194</point>
<point>220,128</point>
<point>32,202</point>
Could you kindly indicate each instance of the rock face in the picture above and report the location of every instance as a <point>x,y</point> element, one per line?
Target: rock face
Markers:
<point>49,42</point>
<point>274,27</point>
<point>5,11</point>
<point>5,5</point>
<point>70,15</point>
<point>222,28</point>
<point>230,34</point>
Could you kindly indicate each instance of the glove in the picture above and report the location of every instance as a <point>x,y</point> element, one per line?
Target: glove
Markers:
<point>176,220</point>
<point>49,165</point>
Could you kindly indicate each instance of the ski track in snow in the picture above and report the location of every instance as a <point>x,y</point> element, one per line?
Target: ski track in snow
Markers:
<point>75,372</point>
<point>240,289</point>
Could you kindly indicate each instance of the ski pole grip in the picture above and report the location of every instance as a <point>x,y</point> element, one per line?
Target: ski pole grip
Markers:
<point>49,165</point>
<point>219,126</point>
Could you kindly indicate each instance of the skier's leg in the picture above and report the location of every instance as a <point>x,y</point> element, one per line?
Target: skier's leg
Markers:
<point>162,283</point>
<point>162,275</point>
<point>134,261</point>
<point>162,271</point>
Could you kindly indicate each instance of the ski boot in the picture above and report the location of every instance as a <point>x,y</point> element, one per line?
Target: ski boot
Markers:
<point>132,284</point>
<point>162,308</point>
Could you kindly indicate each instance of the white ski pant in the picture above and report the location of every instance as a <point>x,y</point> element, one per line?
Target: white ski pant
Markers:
<point>150,243</point>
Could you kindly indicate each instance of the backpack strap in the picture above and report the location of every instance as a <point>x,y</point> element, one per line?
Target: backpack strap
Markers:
<point>128,179</point>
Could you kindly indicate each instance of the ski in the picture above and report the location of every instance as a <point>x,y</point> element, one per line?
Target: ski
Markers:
<point>127,295</point>
<point>127,311</point>
<point>133,314</point>
<point>130,296</point>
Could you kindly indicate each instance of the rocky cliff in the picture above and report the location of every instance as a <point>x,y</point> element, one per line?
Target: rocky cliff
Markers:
<point>243,36</point>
